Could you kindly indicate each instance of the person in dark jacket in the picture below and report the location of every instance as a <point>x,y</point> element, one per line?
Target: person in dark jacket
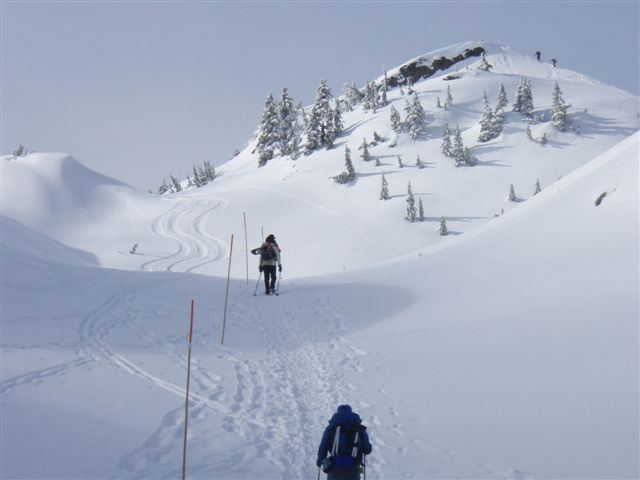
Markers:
<point>268,267</point>
<point>345,418</point>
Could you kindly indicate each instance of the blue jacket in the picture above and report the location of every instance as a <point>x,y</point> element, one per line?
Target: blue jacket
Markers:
<point>344,415</point>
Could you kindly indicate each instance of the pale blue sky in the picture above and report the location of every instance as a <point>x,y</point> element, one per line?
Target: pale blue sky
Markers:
<point>138,90</point>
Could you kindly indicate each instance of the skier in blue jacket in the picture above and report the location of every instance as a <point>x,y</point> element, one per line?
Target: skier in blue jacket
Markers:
<point>349,422</point>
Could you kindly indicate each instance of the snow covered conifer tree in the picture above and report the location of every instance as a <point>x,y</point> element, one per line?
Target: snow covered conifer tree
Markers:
<point>396,122</point>
<point>512,194</point>
<point>319,129</point>
<point>443,227</point>
<point>197,181</point>
<point>411,205</point>
<point>415,117</point>
<point>176,187</point>
<point>375,98</point>
<point>458,148</point>
<point>524,98</point>
<point>446,147</point>
<point>486,130</point>
<point>338,126</point>
<point>559,109</point>
<point>468,158</point>
<point>543,140</point>
<point>352,95</point>
<point>384,189</point>
<point>484,65</point>
<point>286,122</point>
<point>448,99</point>
<point>366,156</point>
<point>485,100</point>
<point>400,164</point>
<point>383,91</point>
<point>377,164</point>
<point>420,210</point>
<point>438,104</point>
<point>348,164</point>
<point>164,188</point>
<point>537,187</point>
<point>419,162</point>
<point>19,151</point>
<point>502,101</point>
<point>497,123</point>
<point>268,136</point>
<point>350,174</point>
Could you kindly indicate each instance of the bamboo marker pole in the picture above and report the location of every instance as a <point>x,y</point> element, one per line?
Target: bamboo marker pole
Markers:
<point>226,295</point>
<point>186,401</point>
<point>246,244</point>
<point>262,233</point>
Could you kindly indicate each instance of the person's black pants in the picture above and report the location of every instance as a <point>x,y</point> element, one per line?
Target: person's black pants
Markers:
<point>269,277</point>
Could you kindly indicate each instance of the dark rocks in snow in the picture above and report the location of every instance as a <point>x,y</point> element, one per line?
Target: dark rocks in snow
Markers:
<point>416,70</point>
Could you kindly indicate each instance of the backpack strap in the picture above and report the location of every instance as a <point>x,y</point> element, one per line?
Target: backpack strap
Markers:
<point>336,440</point>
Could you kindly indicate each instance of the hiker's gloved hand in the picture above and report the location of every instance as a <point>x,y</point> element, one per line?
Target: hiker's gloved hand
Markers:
<point>260,268</point>
<point>280,268</point>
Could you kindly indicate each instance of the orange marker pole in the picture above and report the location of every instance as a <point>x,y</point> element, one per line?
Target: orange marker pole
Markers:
<point>186,402</point>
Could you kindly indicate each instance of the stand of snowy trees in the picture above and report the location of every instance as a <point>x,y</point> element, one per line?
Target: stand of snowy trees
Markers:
<point>201,176</point>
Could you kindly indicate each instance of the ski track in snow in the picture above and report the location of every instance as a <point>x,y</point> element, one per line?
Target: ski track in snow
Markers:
<point>183,225</point>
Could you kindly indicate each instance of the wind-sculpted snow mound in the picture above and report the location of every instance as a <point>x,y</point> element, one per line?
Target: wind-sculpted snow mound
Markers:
<point>50,192</point>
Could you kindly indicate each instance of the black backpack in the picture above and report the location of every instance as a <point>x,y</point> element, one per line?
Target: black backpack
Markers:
<point>347,446</point>
<point>267,252</point>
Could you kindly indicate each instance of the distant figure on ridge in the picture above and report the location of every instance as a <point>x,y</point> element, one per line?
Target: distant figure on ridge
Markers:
<point>538,55</point>
<point>554,61</point>
<point>269,258</point>
<point>346,443</point>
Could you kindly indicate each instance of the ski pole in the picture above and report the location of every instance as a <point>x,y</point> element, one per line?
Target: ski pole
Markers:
<point>278,286</point>
<point>318,473</point>
<point>255,292</point>
<point>364,464</point>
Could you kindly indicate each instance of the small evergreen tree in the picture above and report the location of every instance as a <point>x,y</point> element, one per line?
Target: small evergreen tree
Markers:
<point>438,104</point>
<point>349,175</point>
<point>377,138</point>
<point>543,140</point>
<point>559,109</point>
<point>497,123</point>
<point>164,188</point>
<point>419,163</point>
<point>366,156</point>
<point>268,135</point>
<point>502,101</point>
<point>400,164</point>
<point>383,90</point>
<point>512,194</point>
<point>286,122</point>
<point>448,99</point>
<point>537,188</point>
<point>19,151</point>
<point>384,189</point>
<point>396,122</point>
<point>411,205</point>
<point>457,151</point>
<point>415,117</point>
<point>486,126</point>
<point>176,187</point>
<point>420,210</point>
<point>352,95</point>
<point>377,164</point>
<point>443,227</point>
<point>484,65</point>
<point>524,99</point>
<point>485,100</point>
<point>446,147</point>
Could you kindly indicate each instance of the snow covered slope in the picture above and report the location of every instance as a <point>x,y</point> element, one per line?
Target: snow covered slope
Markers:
<point>507,349</point>
<point>507,353</point>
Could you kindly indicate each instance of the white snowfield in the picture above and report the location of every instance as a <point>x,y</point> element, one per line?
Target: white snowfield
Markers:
<point>508,349</point>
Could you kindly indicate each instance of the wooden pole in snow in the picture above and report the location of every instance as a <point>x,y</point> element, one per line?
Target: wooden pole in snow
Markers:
<point>186,401</point>
<point>246,244</point>
<point>226,295</point>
